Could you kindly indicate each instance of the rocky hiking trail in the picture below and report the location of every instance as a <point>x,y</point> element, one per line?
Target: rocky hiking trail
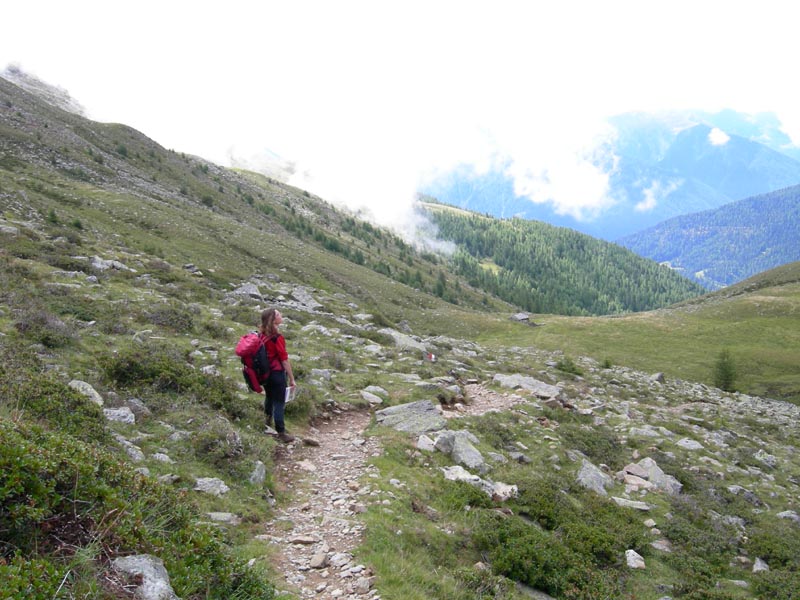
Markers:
<point>323,476</point>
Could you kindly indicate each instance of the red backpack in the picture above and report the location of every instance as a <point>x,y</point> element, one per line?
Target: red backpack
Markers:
<point>255,365</point>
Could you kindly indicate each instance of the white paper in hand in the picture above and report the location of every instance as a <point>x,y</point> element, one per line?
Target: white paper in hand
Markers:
<point>290,390</point>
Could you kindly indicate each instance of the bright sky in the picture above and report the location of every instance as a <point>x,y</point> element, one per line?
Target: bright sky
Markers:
<point>368,98</point>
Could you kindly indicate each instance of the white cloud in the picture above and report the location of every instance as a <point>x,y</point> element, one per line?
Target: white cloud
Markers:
<point>358,100</point>
<point>655,193</point>
<point>717,137</point>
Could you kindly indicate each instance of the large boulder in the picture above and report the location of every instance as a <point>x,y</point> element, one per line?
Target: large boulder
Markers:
<point>591,477</point>
<point>415,417</point>
<point>87,390</point>
<point>534,386</point>
<point>150,574</point>
<point>649,470</point>
<point>459,445</point>
<point>403,341</point>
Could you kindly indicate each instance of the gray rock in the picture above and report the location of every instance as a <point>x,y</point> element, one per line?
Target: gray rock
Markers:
<point>521,317</point>
<point>415,417</point>
<point>249,290</point>
<point>529,592</point>
<point>371,398</point>
<point>377,390</point>
<point>643,506</point>
<point>446,440</point>
<point>138,407</point>
<point>211,485</point>
<point>634,560</point>
<point>304,297</point>
<point>425,444</point>
<point>590,477</point>
<point>497,491</point>
<point>662,481</point>
<point>536,387</point>
<point>789,514</point>
<point>259,473</point>
<point>120,415</point>
<point>688,444</point>
<point>662,545</point>
<point>464,453</point>
<point>319,560</point>
<point>637,470</point>
<point>657,378</point>
<point>324,374</point>
<point>520,457</point>
<point>155,584</point>
<point>103,265</point>
<point>161,457</point>
<point>760,566</point>
<point>767,459</point>
<point>87,390</point>
<point>403,341</point>
<point>646,431</point>
<point>225,518</point>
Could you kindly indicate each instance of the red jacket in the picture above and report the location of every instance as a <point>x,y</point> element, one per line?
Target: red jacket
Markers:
<point>276,352</point>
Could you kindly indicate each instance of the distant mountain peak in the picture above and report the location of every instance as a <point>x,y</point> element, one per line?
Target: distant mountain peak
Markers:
<point>54,95</point>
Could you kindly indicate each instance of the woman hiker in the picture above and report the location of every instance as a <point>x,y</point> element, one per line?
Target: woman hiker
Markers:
<point>279,370</point>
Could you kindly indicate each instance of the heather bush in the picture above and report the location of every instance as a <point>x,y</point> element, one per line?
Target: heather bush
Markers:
<point>163,369</point>
<point>62,497</point>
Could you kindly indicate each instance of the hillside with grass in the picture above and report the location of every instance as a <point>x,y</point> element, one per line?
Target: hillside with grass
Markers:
<point>546,460</point>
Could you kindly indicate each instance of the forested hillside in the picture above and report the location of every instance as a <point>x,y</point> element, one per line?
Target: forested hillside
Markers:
<point>723,246</point>
<point>548,269</point>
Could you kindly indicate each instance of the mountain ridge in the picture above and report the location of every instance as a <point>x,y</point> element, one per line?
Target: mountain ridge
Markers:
<point>728,244</point>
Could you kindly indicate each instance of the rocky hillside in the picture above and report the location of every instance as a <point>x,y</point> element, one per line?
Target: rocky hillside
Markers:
<point>441,452</point>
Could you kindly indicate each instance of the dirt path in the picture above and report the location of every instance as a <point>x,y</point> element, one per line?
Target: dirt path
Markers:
<point>317,526</point>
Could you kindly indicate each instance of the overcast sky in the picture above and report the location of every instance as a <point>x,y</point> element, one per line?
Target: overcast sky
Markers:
<point>369,98</point>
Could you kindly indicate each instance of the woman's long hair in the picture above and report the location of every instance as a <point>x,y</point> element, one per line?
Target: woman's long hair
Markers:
<point>268,326</point>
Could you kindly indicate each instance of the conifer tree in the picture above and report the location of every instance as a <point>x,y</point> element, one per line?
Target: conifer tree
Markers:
<point>725,371</point>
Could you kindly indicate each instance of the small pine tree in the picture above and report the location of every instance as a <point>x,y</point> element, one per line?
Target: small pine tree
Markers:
<point>725,371</point>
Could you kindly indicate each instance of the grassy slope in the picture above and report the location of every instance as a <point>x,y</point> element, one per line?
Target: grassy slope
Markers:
<point>757,320</point>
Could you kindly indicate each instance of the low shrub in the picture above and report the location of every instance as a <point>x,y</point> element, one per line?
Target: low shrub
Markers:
<point>38,325</point>
<point>776,541</point>
<point>454,496</point>
<point>777,584</point>
<point>34,579</point>
<point>176,318</point>
<point>220,445</point>
<point>600,444</point>
<point>695,532</point>
<point>483,583</point>
<point>161,368</point>
<point>61,497</point>
<point>527,554</point>
<point>544,499</point>
<point>54,404</point>
<point>567,365</point>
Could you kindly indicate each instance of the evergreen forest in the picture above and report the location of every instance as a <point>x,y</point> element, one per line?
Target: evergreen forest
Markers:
<point>547,269</point>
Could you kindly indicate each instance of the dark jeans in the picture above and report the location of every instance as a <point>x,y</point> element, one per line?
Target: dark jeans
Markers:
<point>276,398</point>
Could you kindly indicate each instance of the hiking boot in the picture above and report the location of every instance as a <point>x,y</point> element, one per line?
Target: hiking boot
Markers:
<point>285,437</point>
<point>269,421</point>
